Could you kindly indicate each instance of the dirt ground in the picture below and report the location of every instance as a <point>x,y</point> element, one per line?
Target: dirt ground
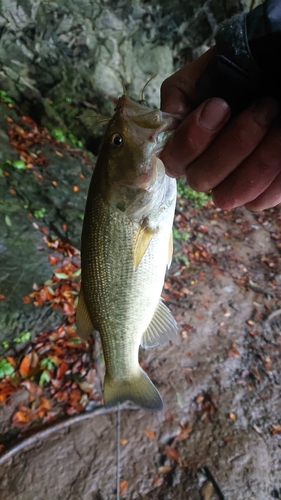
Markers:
<point>219,435</point>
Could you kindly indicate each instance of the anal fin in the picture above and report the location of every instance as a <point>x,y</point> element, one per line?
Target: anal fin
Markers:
<point>162,328</point>
<point>83,321</point>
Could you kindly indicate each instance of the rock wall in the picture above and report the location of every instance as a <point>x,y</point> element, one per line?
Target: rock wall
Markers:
<point>58,59</point>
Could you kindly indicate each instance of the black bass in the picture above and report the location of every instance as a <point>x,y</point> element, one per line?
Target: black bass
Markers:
<point>126,248</point>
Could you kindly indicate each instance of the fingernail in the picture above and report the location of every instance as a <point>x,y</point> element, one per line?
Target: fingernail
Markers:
<point>214,114</point>
<point>265,110</point>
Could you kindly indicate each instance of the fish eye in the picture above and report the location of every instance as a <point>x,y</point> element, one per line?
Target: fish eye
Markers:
<point>116,140</point>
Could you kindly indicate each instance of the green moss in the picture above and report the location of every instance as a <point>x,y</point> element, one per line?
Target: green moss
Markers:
<point>196,199</point>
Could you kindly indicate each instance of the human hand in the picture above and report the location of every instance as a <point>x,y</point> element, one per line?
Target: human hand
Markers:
<point>239,160</point>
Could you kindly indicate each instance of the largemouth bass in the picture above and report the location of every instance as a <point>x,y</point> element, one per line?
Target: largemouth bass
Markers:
<point>126,247</point>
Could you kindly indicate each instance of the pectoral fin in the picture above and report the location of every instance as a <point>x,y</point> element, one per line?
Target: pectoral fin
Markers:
<point>162,328</point>
<point>83,321</point>
<point>143,238</point>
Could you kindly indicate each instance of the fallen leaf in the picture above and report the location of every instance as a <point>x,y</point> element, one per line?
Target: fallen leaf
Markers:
<point>232,416</point>
<point>184,434</point>
<point>150,434</point>
<point>157,481</point>
<point>164,469</point>
<point>11,361</point>
<point>123,487</point>
<point>25,365</point>
<point>63,367</point>
<point>275,429</point>
<point>169,417</point>
<point>233,352</point>
<point>172,453</point>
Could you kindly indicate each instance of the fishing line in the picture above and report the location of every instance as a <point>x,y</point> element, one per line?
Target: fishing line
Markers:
<point>118,418</point>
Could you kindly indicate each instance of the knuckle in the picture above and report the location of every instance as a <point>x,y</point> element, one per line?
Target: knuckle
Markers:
<point>243,139</point>
<point>197,183</point>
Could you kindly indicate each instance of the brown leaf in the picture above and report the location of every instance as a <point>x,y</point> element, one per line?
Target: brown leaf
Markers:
<point>62,369</point>
<point>172,453</point>
<point>23,416</point>
<point>275,429</point>
<point>233,352</point>
<point>169,417</point>
<point>61,396</point>
<point>123,487</point>
<point>157,481</point>
<point>25,365</point>
<point>184,434</point>
<point>150,434</point>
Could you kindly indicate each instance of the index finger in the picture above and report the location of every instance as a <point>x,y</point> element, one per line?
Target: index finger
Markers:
<point>178,92</point>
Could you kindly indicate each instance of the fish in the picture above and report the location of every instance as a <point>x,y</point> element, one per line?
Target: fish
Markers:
<point>126,248</point>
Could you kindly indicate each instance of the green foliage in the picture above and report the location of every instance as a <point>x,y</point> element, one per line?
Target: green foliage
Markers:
<point>45,377</point>
<point>23,337</point>
<point>5,98</point>
<point>58,135</point>
<point>18,164</point>
<point>39,214</point>
<point>76,340</point>
<point>183,260</point>
<point>5,368</point>
<point>8,221</point>
<point>181,235</point>
<point>49,363</point>
<point>74,140</point>
<point>68,100</point>
<point>5,344</point>
<point>196,199</point>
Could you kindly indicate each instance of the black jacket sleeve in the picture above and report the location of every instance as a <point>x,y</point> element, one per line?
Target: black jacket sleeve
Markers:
<point>248,61</point>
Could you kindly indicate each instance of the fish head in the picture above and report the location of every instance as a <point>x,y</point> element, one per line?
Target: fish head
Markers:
<point>127,162</point>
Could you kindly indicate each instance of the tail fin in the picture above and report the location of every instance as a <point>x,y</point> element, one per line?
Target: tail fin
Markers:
<point>138,389</point>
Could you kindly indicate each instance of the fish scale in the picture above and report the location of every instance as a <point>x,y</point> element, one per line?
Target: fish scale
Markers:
<point>120,299</point>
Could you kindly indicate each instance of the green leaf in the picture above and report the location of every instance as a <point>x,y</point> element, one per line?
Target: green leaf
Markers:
<point>19,165</point>
<point>62,276</point>
<point>5,368</point>
<point>39,214</point>
<point>8,221</point>
<point>179,400</point>
<point>75,340</point>
<point>58,135</point>
<point>4,97</point>
<point>44,378</point>
<point>23,337</point>
<point>5,344</point>
<point>76,273</point>
<point>69,100</point>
